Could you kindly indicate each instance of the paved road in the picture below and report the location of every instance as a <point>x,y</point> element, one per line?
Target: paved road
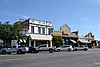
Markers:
<point>58,59</point>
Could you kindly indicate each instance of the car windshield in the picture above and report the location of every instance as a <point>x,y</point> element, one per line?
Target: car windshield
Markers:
<point>65,46</point>
<point>81,46</point>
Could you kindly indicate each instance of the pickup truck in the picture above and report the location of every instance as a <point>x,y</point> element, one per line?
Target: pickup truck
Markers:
<point>44,47</point>
<point>17,49</point>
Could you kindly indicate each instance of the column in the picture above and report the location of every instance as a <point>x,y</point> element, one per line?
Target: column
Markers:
<point>29,43</point>
<point>50,43</point>
<point>34,43</point>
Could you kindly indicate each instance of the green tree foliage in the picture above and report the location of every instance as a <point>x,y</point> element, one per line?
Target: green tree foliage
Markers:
<point>57,41</point>
<point>9,32</point>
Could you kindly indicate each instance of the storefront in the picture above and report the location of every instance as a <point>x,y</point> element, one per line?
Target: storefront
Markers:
<point>84,42</point>
<point>70,41</point>
<point>35,40</point>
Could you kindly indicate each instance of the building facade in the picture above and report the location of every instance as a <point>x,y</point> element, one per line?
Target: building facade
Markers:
<point>82,41</point>
<point>91,39</point>
<point>88,40</point>
<point>70,38</point>
<point>38,32</point>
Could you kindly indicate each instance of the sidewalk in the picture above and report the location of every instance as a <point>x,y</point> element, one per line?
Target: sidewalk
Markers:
<point>94,49</point>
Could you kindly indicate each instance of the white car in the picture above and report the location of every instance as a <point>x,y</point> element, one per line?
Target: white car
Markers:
<point>44,47</point>
<point>64,48</point>
<point>82,47</point>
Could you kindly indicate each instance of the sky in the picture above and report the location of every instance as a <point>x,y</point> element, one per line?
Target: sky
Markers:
<point>82,15</point>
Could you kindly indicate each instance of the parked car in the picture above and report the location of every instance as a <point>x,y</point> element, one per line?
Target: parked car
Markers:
<point>44,47</point>
<point>17,49</point>
<point>82,47</point>
<point>32,50</point>
<point>64,48</point>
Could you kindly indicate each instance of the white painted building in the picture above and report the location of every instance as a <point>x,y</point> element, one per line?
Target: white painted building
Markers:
<point>39,32</point>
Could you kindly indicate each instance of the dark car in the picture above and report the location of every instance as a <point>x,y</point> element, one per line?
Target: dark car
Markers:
<point>32,50</point>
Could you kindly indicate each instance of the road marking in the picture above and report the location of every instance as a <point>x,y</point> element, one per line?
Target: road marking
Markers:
<point>18,59</point>
<point>37,56</point>
<point>97,63</point>
<point>34,57</point>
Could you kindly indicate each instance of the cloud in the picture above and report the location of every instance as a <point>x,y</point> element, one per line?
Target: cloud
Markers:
<point>93,1</point>
<point>97,26</point>
<point>92,27</point>
<point>5,1</point>
<point>14,14</point>
<point>18,15</point>
<point>98,1</point>
<point>25,17</point>
<point>88,26</point>
<point>84,19</point>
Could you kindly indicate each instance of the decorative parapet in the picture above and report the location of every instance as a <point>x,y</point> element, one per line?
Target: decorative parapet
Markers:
<point>58,33</point>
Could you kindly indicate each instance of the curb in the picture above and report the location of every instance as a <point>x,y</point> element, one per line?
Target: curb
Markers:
<point>95,49</point>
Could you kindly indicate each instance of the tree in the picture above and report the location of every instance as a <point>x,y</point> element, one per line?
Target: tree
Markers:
<point>10,32</point>
<point>5,32</point>
<point>57,41</point>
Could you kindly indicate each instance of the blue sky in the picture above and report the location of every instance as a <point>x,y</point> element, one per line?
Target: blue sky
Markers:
<point>82,15</point>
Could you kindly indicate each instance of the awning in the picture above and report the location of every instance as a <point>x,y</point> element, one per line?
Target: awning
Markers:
<point>1,41</point>
<point>73,41</point>
<point>40,37</point>
<point>83,41</point>
<point>22,41</point>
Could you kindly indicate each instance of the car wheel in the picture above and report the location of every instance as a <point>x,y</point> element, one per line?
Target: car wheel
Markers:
<point>75,49</point>
<point>19,51</point>
<point>9,53</point>
<point>85,49</point>
<point>69,50</point>
<point>3,52</point>
<point>34,51</point>
<point>50,51</point>
<point>23,52</point>
<point>58,50</point>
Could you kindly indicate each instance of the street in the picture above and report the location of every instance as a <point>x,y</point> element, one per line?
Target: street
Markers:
<point>89,58</point>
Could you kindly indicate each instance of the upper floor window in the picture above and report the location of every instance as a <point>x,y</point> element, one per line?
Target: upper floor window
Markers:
<point>43,30</point>
<point>32,29</point>
<point>39,30</point>
<point>49,31</point>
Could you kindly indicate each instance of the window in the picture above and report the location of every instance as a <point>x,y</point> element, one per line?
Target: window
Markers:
<point>14,46</point>
<point>49,31</point>
<point>65,46</point>
<point>32,29</point>
<point>39,30</point>
<point>43,30</point>
<point>81,46</point>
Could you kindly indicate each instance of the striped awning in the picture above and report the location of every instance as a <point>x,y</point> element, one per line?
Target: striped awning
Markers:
<point>22,41</point>
<point>73,41</point>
